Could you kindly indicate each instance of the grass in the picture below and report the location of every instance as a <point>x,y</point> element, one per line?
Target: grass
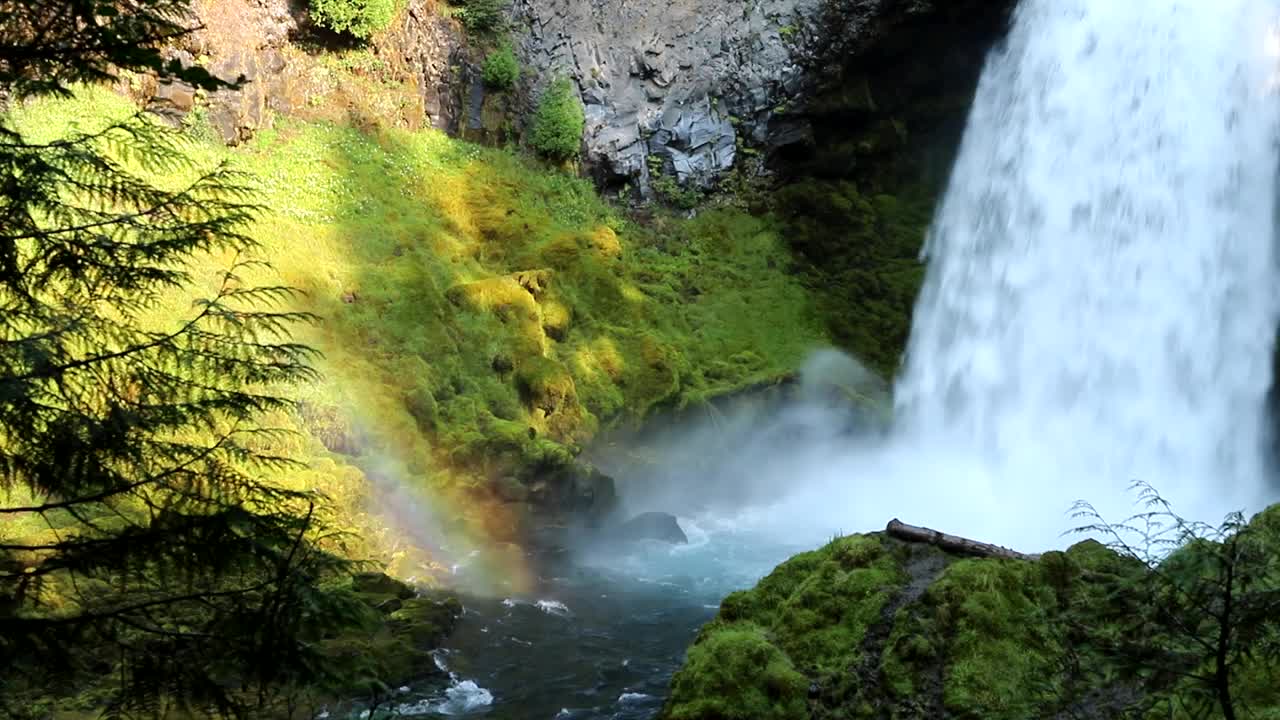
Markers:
<point>483,316</point>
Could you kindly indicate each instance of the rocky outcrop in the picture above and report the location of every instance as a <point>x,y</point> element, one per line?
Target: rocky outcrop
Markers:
<point>280,55</point>
<point>680,87</point>
<point>430,51</point>
<point>249,39</point>
<point>659,526</point>
<point>872,627</point>
<point>675,88</point>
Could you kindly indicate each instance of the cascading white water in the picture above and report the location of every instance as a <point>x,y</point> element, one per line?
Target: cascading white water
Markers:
<point>1100,307</point>
<point>1101,298</point>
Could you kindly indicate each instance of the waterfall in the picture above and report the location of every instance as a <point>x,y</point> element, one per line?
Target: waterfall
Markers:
<point>1100,306</point>
<point>1102,297</point>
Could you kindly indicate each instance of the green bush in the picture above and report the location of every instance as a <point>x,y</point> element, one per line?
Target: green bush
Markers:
<point>501,70</point>
<point>482,16</point>
<point>360,18</point>
<point>558,122</point>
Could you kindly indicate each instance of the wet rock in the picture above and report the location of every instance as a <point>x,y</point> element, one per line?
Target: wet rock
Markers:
<point>676,85</point>
<point>375,583</point>
<point>658,526</point>
<point>426,622</point>
<point>511,490</point>
<point>173,97</point>
<point>575,491</point>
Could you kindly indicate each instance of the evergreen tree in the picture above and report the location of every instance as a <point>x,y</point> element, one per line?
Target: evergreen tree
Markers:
<point>1199,630</point>
<point>167,571</point>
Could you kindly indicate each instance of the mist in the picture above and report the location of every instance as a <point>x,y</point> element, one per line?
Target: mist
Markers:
<point>826,456</point>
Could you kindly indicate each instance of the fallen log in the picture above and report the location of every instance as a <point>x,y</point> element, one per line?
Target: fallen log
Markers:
<point>951,543</point>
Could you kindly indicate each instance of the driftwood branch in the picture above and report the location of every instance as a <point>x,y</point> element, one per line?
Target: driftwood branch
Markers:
<point>951,543</point>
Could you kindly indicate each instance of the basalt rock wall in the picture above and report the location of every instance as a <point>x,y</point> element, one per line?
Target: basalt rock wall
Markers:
<point>682,87</point>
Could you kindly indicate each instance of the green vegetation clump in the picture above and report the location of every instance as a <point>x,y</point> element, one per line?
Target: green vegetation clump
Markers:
<point>559,122</point>
<point>808,618</point>
<point>668,187</point>
<point>361,18</point>
<point>482,16</point>
<point>862,252</point>
<point>735,673</point>
<point>501,69</point>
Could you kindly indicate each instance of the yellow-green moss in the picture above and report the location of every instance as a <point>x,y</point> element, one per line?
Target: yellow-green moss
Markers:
<point>736,673</point>
<point>470,298</point>
<point>813,611</point>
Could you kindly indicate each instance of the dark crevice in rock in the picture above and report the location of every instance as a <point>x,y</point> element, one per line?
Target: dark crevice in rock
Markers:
<point>923,565</point>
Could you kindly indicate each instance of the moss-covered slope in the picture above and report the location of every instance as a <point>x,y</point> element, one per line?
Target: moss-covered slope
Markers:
<point>873,627</point>
<point>482,315</point>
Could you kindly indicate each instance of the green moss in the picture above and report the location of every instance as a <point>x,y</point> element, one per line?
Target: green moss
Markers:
<point>862,255</point>
<point>735,673</point>
<point>482,315</point>
<point>883,628</point>
<point>815,609</point>
<point>481,16</point>
<point>425,622</point>
<point>1002,647</point>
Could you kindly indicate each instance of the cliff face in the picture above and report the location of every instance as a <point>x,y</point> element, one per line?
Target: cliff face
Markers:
<point>673,87</point>
<point>689,83</point>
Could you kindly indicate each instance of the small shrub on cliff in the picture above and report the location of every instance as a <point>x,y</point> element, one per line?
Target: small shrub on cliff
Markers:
<point>501,69</point>
<point>481,16</point>
<point>360,18</point>
<point>559,122</point>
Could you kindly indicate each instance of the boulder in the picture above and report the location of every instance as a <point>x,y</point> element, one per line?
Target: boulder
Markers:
<point>376,584</point>
<point>659,526</point>
<point>915,623</point>
<point>426,622</point>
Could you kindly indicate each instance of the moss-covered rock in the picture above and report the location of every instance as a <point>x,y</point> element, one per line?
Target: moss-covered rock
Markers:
<point>736,673</point>
<point>395,645</point>
<point>425,622</point>
<point>872,627</point>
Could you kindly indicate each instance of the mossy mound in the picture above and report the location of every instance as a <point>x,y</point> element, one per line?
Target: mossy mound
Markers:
<point>396,643</point>
<point>873,627</point>
<point>737,674</point>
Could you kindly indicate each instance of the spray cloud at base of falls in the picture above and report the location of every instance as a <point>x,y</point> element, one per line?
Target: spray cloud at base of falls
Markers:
<point>1101,299</point>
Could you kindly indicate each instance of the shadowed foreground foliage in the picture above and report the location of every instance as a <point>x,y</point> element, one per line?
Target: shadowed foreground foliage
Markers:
<point>143,552</point>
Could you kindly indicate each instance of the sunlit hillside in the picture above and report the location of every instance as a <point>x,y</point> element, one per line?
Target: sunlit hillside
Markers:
<point>480,317</point>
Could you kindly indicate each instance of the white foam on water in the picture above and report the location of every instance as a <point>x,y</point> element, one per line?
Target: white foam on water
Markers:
<point>553,607</point>
<point>461,697</point>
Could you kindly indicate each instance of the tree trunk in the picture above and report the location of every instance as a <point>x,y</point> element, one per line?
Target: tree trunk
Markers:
<point>951,543</point>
